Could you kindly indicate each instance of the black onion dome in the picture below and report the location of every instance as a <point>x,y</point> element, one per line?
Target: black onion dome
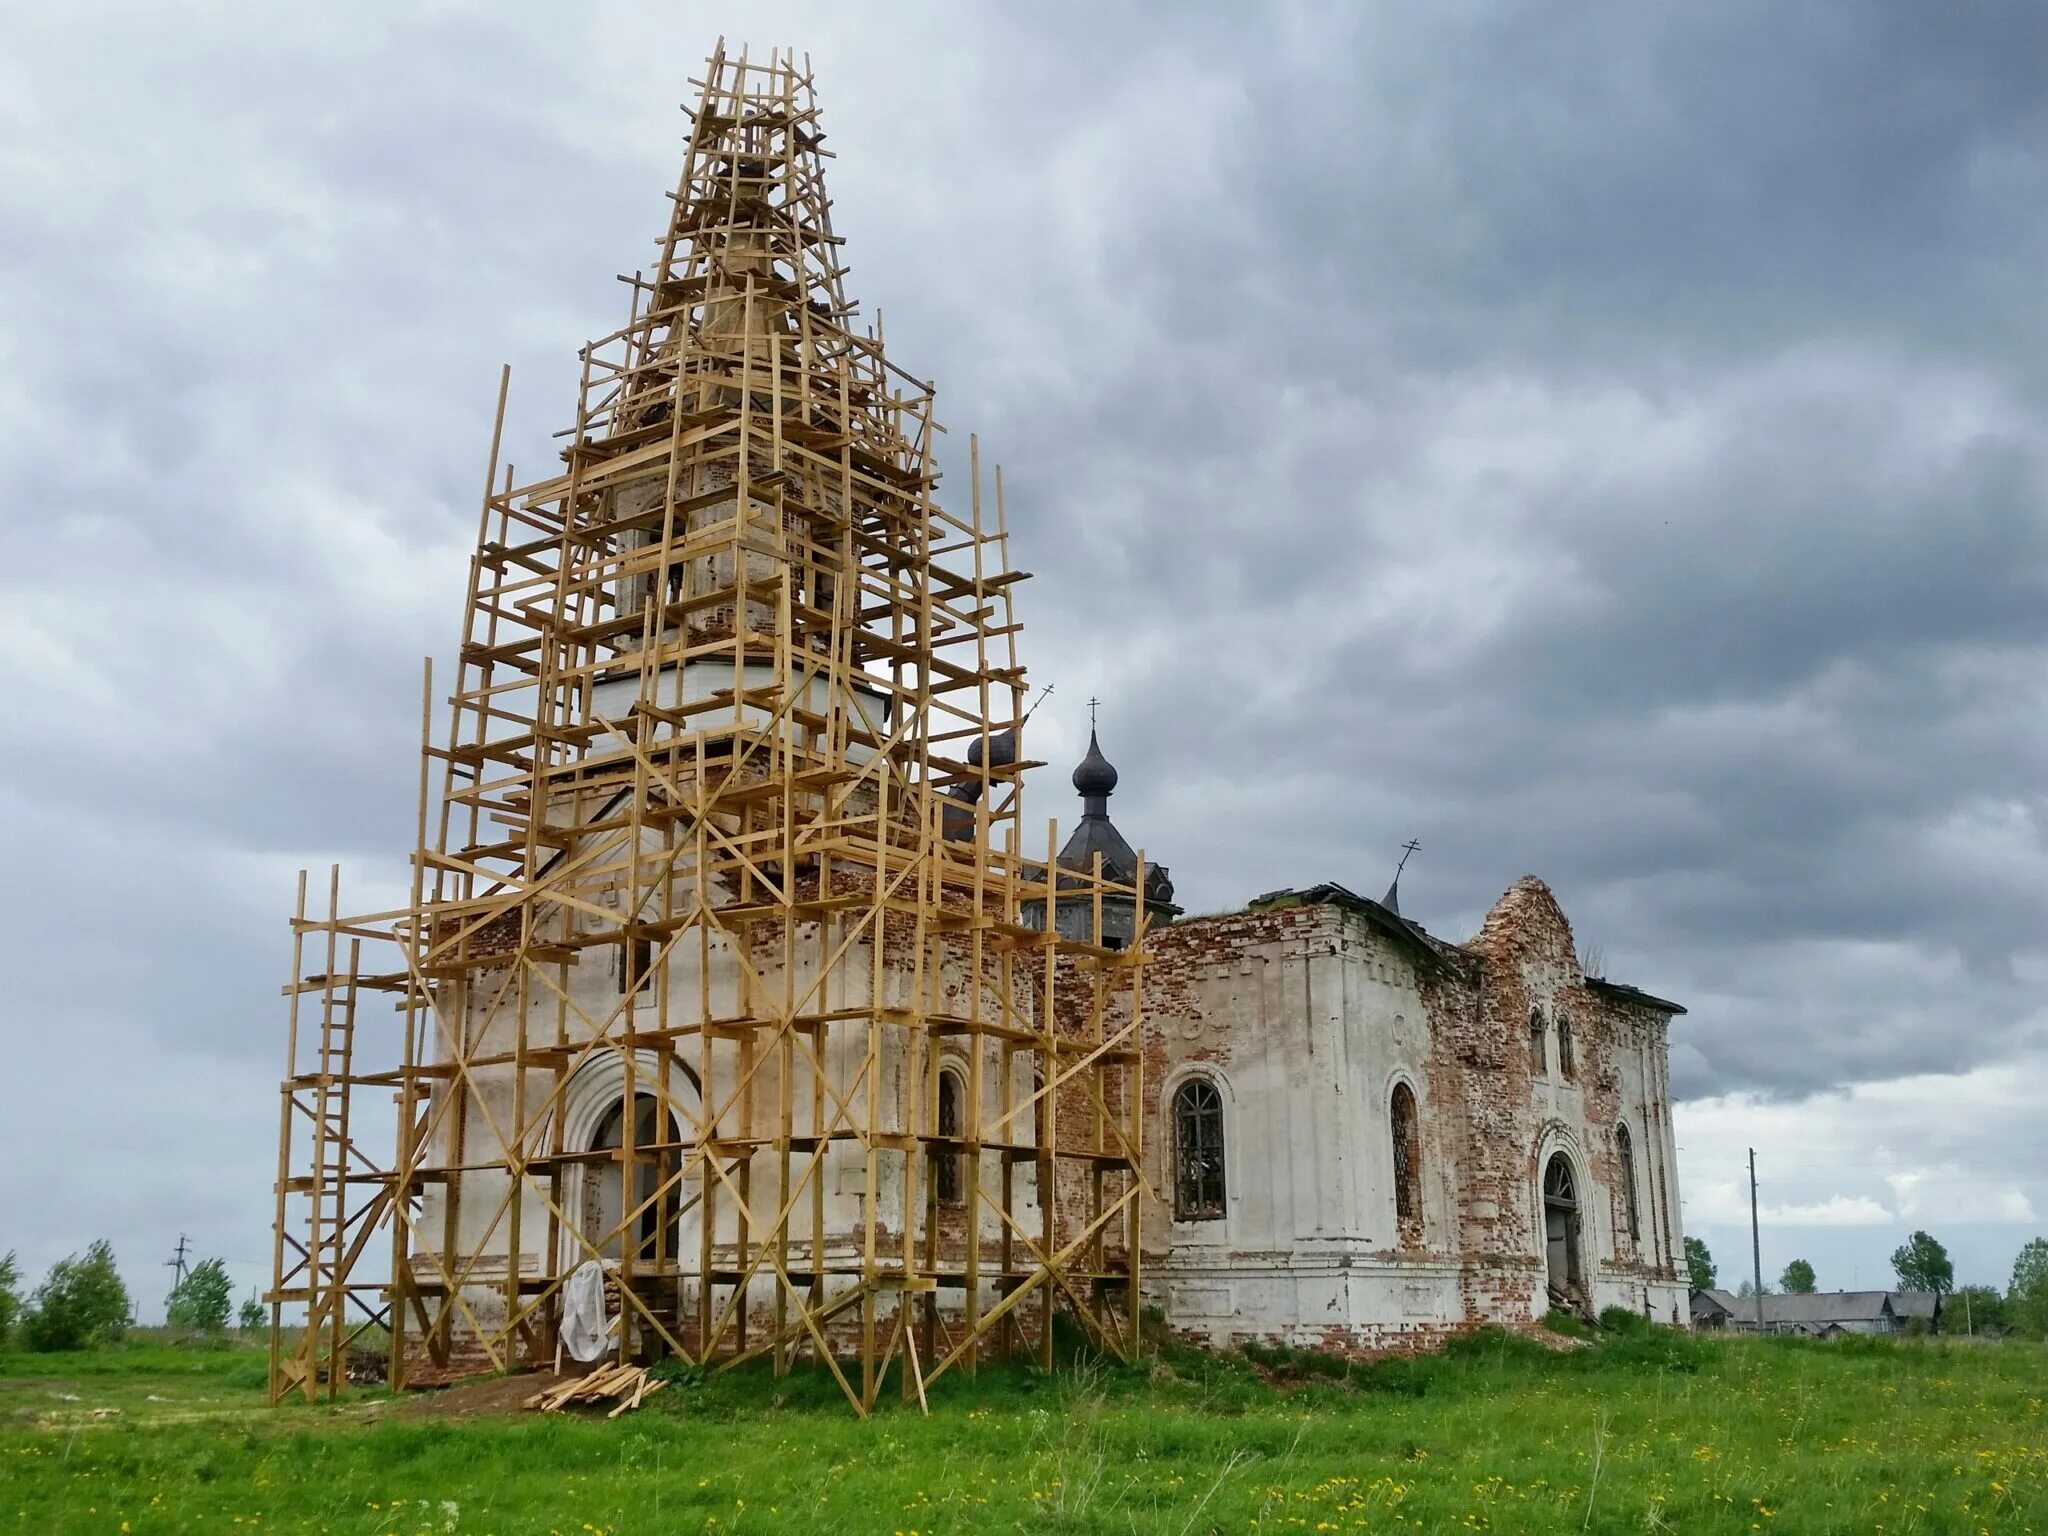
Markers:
<point>1003,750</point>
<point>1095,777</point>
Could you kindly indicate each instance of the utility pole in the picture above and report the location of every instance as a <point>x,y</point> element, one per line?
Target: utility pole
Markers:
<point>176,1263</point>
<point>1756,1252</point>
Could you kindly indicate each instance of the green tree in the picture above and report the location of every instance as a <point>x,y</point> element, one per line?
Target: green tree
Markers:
<point>2026,1300</point>
<point>1797,1279</point>
<point>1699,1264</point>
<point>252,1315</point>
<point>205,1299</point>
<point>1975,1309</point>
<point>81,1302</point>
<point>1922,1264</point>
<point>10,1294</point>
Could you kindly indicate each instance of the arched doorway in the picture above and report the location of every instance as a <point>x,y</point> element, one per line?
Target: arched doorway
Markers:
<point>593,1123</point>
<point>1561,1231</point>
<point>656,1157</point>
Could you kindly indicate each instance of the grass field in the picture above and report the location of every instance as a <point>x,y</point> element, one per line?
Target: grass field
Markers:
<point>1642,1432</point>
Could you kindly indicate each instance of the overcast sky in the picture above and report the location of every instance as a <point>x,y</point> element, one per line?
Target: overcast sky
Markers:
<point>1600,441</point>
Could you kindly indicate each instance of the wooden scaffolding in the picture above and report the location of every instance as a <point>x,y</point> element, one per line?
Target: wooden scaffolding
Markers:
<point>725,821</point>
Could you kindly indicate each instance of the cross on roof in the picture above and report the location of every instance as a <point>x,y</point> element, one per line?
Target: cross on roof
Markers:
<point>1407,848</point>
<point>1092,702</point>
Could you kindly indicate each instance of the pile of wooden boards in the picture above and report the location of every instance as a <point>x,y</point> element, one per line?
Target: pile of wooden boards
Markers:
<point>626,1385</point>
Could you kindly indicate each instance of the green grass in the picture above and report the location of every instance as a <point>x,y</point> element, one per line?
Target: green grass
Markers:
<point>1641,1430</point>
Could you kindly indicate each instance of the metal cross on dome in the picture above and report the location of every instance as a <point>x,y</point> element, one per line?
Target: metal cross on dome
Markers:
<point>1092,702</point>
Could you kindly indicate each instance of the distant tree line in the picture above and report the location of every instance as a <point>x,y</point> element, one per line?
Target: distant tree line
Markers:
<point>83,1302</point>
<point>1921,1263</point>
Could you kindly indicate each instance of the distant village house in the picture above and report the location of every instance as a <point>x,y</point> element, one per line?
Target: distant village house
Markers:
<point>1820,1314</point>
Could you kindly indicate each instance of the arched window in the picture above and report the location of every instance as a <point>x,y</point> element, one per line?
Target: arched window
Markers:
<point>1539,1060</point>
<point>1407,1155</point>
<point>653,1203</point>
<point>1197,1151</point>
<point>1566,1067</point>
<point>1625,1154</point>
<point>948,1160</point>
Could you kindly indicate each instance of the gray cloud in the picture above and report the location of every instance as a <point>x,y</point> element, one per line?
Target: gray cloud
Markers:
<point>1593,440</point>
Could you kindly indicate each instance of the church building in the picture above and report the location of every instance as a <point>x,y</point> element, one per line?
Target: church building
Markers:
<point>1365,1136</point>
<point>733,1004</point>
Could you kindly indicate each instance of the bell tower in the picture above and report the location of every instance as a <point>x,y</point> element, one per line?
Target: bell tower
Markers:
<point>720,857</point>
<point>1096,845</point>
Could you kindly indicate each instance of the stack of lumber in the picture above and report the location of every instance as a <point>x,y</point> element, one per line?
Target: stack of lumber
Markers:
<point>626,1385</point>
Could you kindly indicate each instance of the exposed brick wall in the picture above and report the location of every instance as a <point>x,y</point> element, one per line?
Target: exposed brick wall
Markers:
<point>1488,1116</point>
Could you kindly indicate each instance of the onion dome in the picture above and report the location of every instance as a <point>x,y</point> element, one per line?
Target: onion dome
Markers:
<point>958,823</point>
<point>1095,778</point>
<point>1002,750</point>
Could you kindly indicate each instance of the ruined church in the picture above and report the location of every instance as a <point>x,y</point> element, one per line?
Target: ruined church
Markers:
<point>737,1011</point>
<point>1366,1136</point>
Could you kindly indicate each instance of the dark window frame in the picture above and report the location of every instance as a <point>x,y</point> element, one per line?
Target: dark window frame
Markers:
<point>1200,1188</point>
<point>1625,1154</point>
<point>1404,1125</point>
<point>636,965</point>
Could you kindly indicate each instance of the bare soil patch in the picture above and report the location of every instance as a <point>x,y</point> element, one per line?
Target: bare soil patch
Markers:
<point>475,1398</point>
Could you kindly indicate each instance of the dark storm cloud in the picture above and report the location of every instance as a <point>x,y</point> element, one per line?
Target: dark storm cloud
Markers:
<point>1602,440</point>
<point>1556,182</point>
<point>1623,460</point>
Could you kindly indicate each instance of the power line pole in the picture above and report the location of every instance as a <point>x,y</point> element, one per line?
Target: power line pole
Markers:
<point>176,1262</point>
<point>1756,1252</point>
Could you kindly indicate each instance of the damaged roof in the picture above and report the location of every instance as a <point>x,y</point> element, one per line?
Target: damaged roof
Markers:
<point>1387,919</point>
<point>1377,915</point>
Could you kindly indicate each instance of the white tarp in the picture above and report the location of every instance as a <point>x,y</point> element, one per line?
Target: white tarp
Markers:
<point>584,1333</point>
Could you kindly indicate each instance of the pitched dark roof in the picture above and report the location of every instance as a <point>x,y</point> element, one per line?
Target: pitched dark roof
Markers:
<point>1095,834</point>
<point>1827,1306</point>
<point>1627,994</point>
<point>1794,1308</point>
